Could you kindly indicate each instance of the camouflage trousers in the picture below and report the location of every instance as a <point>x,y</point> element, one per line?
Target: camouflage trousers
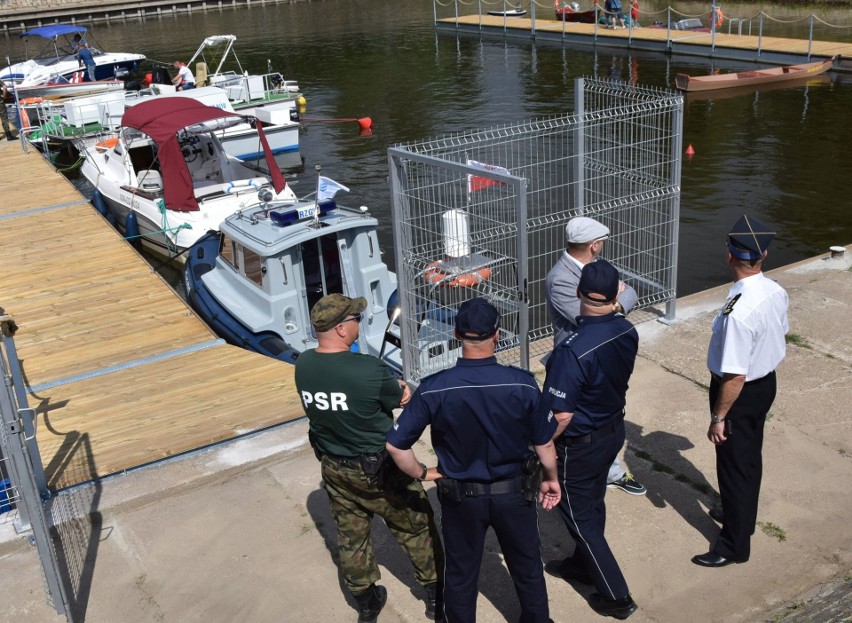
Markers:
<point>4,119</point>
<point>401,502</point>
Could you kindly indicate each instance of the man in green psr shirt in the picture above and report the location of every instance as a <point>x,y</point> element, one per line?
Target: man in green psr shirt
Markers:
<point>349,400</point>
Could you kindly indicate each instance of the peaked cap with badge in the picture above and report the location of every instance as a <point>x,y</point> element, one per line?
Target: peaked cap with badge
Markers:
<point>749,239</point>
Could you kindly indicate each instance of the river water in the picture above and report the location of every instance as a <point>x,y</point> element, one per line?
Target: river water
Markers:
<point>780,155</point>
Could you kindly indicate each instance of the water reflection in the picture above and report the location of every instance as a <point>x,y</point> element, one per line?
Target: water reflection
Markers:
<point>770,152</point>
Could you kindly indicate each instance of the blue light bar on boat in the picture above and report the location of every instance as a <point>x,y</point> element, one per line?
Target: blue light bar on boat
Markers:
<point>294,215</point>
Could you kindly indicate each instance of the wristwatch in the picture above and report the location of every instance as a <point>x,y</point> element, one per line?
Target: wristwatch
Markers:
<point>715,419</point>
<point>423,475</point>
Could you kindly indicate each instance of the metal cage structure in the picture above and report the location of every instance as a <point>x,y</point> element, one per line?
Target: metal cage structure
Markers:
<point>484,213</point>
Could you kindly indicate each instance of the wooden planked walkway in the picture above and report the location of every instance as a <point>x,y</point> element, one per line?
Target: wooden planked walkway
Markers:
<point>121,371</point>
<point>774,50</point>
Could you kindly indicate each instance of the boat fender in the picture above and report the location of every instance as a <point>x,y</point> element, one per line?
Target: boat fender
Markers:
<point>435,276</point>
<point>232,186</point>
<point>99,203</point>
<point>393,303</point>
<point>131,228</point>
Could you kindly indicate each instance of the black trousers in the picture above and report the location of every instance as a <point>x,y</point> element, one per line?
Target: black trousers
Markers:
<point>739,465</point>
<point>515,522</point>
<point>583,469</point>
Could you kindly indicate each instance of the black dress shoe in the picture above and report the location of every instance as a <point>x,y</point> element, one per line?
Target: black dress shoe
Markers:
<point>567,570</point>
<point>615,608</point>
<point>717,514</point>
<point>711,559</point>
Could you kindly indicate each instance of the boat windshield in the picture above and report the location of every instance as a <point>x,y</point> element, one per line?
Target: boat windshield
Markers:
<point>213,125</point>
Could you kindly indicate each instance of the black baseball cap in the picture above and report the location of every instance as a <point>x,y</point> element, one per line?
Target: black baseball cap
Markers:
<point>599,281</point>
<point>477,320</point>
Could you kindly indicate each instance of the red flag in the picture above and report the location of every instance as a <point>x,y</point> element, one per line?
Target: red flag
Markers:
<point>478,182</point>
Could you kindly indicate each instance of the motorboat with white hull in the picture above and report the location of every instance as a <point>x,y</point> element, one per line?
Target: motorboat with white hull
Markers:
<point>167,180</point>
<point>90,119</point>
<point>215,63</point>
<point>255,280</point>
<point>58,62</point>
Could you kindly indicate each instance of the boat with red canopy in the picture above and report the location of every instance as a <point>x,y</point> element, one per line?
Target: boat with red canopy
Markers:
<point>167,179</point>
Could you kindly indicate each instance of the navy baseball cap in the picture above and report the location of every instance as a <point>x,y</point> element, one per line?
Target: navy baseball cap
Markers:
<point>599,281</point>
<point>477,320</point>
<point>749,239</point>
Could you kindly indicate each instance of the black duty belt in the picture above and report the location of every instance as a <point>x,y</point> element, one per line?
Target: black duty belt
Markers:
<point>600,433</point>
<point>766,377</point>
<point>500,487</point>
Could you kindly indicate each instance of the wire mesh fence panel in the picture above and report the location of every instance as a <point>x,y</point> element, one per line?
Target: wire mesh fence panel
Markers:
<point>483,214</point>
<point>19,490</point>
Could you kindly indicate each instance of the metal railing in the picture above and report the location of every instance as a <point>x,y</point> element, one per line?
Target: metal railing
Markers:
<point>712,20</point>
<point>484,214</point>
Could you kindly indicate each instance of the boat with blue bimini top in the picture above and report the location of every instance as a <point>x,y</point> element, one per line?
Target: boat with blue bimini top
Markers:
<point>57,61</point>
<point>166,178</point>
<point>255,280</point>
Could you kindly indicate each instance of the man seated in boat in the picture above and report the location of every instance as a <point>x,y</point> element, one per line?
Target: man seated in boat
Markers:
<point>184,80</point>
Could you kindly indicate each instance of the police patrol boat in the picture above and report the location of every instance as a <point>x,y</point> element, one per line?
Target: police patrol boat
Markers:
<point>166,179</point>
<point>255,280</point>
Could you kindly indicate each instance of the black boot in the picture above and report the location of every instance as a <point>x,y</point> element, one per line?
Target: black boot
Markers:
<point>434,602</point>
<point>370,603</point>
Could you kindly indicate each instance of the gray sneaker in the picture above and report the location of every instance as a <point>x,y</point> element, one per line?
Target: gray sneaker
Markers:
<point>628,484</point>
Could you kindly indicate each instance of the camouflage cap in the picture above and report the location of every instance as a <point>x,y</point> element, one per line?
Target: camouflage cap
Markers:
<point>331,309</point>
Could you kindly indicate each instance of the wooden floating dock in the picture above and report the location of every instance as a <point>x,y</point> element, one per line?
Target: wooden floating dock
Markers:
<point>121,371</point>
<point>769,50</point>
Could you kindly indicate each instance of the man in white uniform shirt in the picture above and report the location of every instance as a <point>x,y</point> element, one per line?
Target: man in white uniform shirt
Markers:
<point>746,346</point>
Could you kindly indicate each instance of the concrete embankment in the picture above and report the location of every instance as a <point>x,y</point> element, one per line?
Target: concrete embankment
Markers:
<point>242,532</point>
<point>20,15</point>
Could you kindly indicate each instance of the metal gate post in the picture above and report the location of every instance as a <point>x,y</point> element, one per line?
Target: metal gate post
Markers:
<point>580,145</point>
<point>677,150</point>
<point>523,276</point>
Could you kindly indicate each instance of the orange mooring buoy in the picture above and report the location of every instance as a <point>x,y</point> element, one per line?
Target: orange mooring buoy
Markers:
<point>366,123</point>
<point>690,151</point>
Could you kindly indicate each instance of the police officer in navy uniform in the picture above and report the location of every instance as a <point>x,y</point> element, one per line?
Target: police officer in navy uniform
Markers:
<point>586,389</point>
<point>746,346</point>
<point>484,417</point>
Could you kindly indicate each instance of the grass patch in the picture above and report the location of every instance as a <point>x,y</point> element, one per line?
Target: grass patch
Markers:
<point>797,340</point>
<point>770,529</point>
<point>797,605</point>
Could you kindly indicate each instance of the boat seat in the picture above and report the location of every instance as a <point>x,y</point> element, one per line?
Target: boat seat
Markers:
<point>150,181</point>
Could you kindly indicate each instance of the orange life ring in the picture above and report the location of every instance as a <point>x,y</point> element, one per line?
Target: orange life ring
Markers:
<point>435,276</point>
<point>716,14</point>
<point>107,143</point>
<point>27,101</point>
